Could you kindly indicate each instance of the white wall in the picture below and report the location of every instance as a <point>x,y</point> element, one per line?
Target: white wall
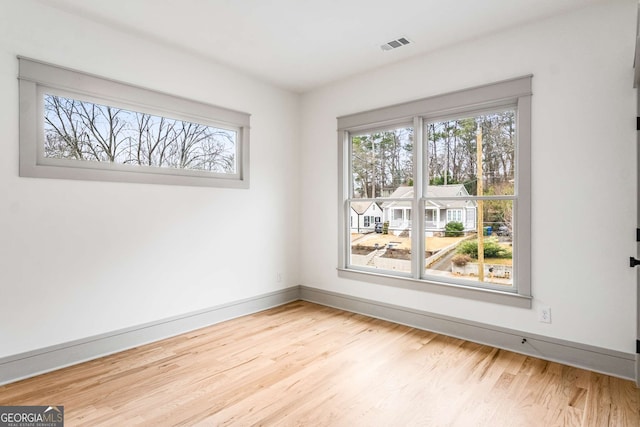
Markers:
<point>83,258</point>
<point>583,167</point>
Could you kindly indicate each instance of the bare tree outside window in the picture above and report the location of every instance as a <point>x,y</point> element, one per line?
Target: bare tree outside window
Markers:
<point>382,162</point>
<point>452,152</point>
<point>84,131</point>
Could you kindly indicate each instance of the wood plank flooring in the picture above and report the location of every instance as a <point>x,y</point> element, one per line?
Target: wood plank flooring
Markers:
<point>307,365</point>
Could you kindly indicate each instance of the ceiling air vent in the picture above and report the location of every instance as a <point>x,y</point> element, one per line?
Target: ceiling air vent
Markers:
<point>394,44</point>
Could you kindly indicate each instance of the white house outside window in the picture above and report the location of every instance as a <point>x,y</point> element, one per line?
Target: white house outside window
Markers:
<point>460,162</point>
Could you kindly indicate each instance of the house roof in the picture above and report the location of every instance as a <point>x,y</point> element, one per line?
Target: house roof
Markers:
<point>403,191</point>
<point>452,191</point>
<point>361,207</point>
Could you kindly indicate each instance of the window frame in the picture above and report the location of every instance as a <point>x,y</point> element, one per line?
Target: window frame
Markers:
<point>457,212</point>
<point>504,94</point>
<point>38,78</point>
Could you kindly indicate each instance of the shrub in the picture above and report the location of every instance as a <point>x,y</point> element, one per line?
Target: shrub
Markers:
<point>385,227</point>
<point>453,229</point>
<point>492,249</point>
<point>461,259</point>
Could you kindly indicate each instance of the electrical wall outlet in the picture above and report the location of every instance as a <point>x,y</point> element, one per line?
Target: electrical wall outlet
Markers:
<point>544,314</point>
<point>278,277</point>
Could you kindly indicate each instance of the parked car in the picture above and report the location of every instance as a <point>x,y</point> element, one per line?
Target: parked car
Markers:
<point>378,227</point>
<point>503,230</point>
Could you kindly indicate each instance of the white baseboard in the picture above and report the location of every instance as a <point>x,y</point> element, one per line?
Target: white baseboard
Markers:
<point>32,363</point>
<point>29,364</point>
<point>610,362</point>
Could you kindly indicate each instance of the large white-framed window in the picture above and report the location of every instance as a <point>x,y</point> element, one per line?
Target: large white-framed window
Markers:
<point>461,162</point>
<point>75,125</point>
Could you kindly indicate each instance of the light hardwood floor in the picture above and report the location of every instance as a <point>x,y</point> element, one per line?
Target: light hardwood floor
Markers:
<point>307,365</point>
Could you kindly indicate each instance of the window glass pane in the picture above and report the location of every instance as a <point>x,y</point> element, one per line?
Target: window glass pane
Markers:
<point>387,245</point>
<point>451,246</point>
<point>84,131</point>
<point>381,162</point>
<point>452,154</point>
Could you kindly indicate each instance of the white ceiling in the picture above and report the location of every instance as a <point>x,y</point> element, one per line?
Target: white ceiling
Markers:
<point>303,44</point>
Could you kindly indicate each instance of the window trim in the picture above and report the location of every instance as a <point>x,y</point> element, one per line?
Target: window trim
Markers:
<point>37,78</point>
<point>513,92</point>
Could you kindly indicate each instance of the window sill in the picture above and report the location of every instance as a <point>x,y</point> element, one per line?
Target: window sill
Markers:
<point>477,294</point>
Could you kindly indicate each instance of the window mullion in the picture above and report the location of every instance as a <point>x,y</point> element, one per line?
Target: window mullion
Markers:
<point>417,206</point>
<point>345,192</point>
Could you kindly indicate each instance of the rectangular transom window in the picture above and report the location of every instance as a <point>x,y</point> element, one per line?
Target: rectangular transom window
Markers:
<point>79,126</point>
<point>451,174</point>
